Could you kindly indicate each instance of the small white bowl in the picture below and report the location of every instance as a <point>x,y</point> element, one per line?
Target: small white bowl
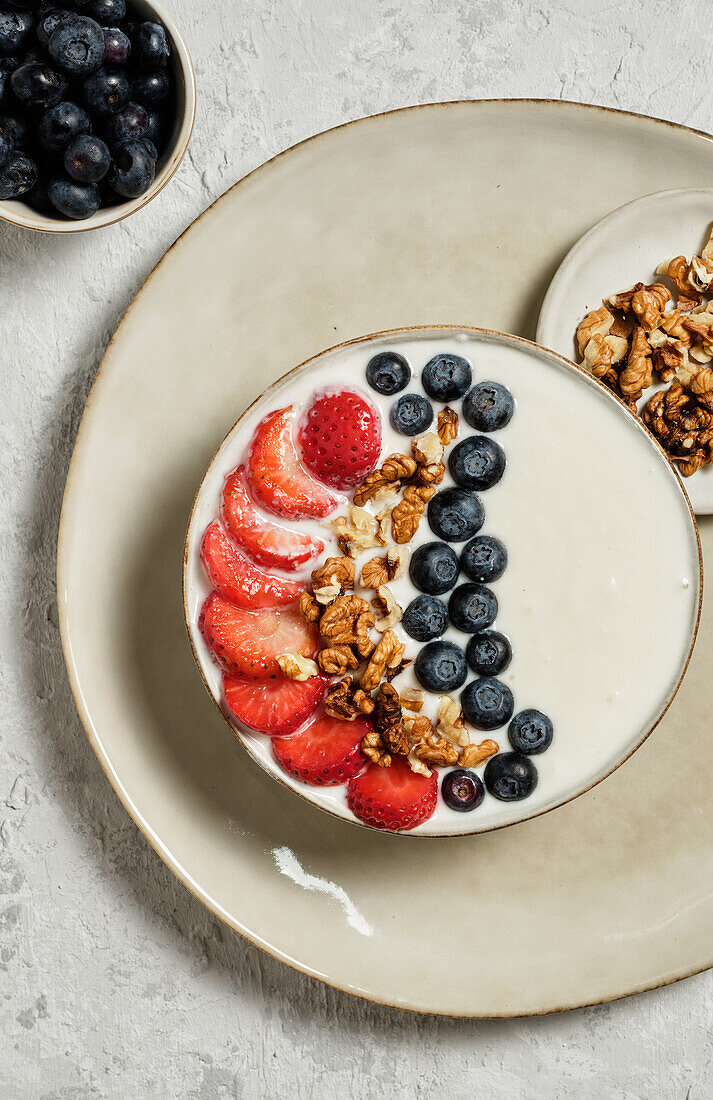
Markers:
<point>19,213</point>
<point>623,248</point>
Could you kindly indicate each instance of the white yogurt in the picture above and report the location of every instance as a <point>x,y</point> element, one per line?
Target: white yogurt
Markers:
<point>601,593</point>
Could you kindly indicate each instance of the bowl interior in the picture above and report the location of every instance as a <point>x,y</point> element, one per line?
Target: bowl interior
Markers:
<point>19,213</point>
<point>546,569</point>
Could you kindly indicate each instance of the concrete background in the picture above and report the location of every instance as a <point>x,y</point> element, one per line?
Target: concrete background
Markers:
<point>114,982</point>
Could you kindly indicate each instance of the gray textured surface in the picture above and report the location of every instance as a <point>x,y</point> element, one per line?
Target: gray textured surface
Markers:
<point>114,982</point>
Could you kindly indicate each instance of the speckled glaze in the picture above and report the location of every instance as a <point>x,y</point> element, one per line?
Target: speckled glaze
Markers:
<point>616,882</point>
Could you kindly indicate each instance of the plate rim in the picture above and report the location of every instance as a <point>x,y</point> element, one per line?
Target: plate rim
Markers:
<point>75,687</point>
<point>569,367</point>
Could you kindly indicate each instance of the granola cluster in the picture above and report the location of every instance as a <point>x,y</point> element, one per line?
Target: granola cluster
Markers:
<point>634,340</point>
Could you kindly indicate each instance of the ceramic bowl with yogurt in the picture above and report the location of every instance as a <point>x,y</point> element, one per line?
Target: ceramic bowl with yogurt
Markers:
<point>601,595</point>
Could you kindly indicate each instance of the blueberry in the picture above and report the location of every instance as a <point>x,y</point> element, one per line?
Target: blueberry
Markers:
<point>477,462</point>
<point>412,414</point>
<point>134,170</point>
<point>15,29</point>
<point>151,47</point>
<point>153,89</point>
<point>77,46</point>
<point>128,124</point>
<point>107,12</point>
<point>462,790</point>
<point>446,377</point>
<point>16,129</point>
<point>60,124</point>
<point>488,407</point>
<point>74,200</point>
<point>487,703</point>
<point>387,372</point>
<point>455,514</point>
<point>106,91</point>
<point>434,568</point>
<point>6,146</point>
<point>37,85</point>
<point>488,653</point>
<point>425,618</point>
<point>39,200</point>
<point>472,607</point>
<point>510,776</point>
<point>531,732</point>
<point>483,559</point>
<point>118,46</point>
<point>149,145</point>
<point>49,21</point>
<point>17,175</point>
<point>441,667</point>
<point>87,159</point>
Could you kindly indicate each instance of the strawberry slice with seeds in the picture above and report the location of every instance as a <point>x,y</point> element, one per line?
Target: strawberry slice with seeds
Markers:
<point>340,437</point>
<point>236,578</point>
<point>264,540</point>
<point>275,706</point>
<point>278,479</point>
<point>249,642</point>
<point>324,753</point>
<point>392,798</point>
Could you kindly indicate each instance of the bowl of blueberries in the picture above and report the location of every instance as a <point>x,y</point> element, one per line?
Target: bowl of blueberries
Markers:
<point>97,104</point>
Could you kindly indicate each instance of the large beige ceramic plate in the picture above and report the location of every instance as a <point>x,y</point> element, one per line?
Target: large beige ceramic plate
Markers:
<point>451,214</point>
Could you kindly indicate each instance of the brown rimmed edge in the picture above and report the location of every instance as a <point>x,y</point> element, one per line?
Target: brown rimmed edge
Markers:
<point>155,842</point>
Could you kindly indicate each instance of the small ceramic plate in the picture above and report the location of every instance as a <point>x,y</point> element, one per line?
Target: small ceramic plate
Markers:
<point>623,248</point>
<point>575,596</point>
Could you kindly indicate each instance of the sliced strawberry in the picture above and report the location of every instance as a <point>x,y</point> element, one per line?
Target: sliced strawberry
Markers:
<point>263,539</point>
<point>277,478</point>
<point>325,752</point>
<point>249,642</point>
<point>237,578</point>
<point>392,798</point>
<point>340,437</point>
<point>276,706</point>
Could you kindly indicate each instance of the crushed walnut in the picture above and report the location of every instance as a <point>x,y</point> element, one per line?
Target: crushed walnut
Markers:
<point>635,340</point>
<point>297,667</point>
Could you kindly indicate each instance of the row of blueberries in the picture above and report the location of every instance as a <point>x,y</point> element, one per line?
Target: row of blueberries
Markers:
<point>487,407</point>
<point>455,515</point>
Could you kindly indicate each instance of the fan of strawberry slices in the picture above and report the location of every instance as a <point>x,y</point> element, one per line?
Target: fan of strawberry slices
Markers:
<point>251,616</point>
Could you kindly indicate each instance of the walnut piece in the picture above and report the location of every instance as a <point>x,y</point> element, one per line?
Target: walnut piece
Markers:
<point>417,726</point>
<point>384,603</point>
<point>473,755</point>
<point>637,374</point>
<point>388,479</point>
<point>337,659</point>
<point>339,621</point>
<point>648,304</point>
<point>418,765</point>
<point>387,709</point>
<point>702,387</point>
<point>618,346</point>
<point>406,516</point>
<point>372,745</point>
<point>356,531</point>
<point>596,323</point>
<point>326,595</point>
<point>381,570</point>
<point>335,571</point>
<point>427,448</point>
<point>450,721</point>
<point>346,701</point>
<point>412,699</point>
<point>309,607</point>
<point>597,356</point>
<point>447,425</point>
<point>297,667</point>
<point>387,655</point>
<point>436,750</point>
